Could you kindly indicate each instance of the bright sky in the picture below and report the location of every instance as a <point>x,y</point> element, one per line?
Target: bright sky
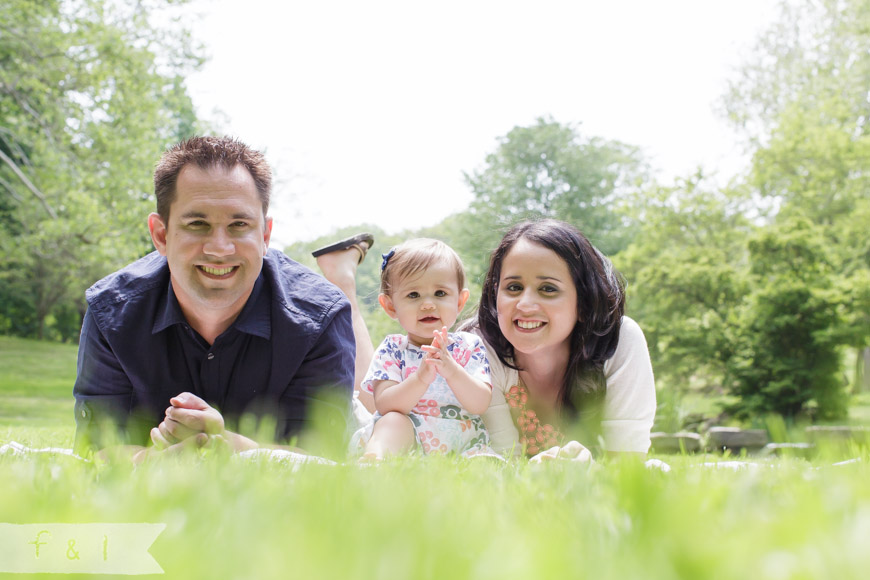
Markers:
<point>370,111</point>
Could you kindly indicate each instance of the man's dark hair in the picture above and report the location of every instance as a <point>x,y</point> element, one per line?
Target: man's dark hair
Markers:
<point>207,153</point>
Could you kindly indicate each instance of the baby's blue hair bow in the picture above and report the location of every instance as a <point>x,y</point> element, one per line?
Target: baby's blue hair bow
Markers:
<point>386,258</point>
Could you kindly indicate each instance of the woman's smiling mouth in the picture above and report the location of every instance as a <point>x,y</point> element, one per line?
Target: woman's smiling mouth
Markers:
<point>529,324</point>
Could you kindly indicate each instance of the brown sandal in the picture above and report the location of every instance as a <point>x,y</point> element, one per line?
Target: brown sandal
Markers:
<point>352,242</point>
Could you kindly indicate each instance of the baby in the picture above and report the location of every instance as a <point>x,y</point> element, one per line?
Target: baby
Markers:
<point>429,386</point>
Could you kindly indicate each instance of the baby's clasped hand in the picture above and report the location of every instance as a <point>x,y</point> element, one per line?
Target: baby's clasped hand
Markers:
<point>426,373</point>
<point>439,357</point>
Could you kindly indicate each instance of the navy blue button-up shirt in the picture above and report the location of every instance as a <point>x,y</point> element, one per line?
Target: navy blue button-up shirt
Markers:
<point>290,349</point>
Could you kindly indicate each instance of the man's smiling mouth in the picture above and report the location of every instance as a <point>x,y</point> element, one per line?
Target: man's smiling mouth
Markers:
<point>217,271</point>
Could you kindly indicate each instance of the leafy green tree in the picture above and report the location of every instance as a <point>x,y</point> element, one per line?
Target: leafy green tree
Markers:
<point>761,310</point>
<point>814,54</point>
<point>790,328</point>
<point>90,94</point>
<point>686,275</point>
<point>550,170</point>
<point>802,103</point>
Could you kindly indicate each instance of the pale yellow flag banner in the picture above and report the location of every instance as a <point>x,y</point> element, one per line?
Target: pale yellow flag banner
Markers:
<point>78,548</point>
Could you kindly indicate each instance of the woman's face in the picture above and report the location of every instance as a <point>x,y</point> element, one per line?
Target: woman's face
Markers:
<point>536,299</point>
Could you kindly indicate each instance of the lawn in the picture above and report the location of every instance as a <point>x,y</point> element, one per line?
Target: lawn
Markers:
<point>437,517</point>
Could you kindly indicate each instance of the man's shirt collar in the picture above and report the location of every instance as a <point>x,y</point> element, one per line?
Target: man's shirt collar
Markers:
<point>255,317</point>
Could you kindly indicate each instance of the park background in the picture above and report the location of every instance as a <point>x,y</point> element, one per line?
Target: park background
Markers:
<point>747,267</point>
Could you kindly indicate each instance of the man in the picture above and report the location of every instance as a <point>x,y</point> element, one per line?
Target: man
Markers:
<point>177,346</point>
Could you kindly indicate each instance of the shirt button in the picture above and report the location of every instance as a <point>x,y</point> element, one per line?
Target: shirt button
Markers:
<point>84,413</point>
<point>210,355</point>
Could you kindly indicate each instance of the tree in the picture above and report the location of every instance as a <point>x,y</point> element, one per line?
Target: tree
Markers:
<point>760,310</point>
<point>90,95</point>
<point>686,272</point>
<point>550,170</point>
<point>802,103</point>
<point>790,328</point>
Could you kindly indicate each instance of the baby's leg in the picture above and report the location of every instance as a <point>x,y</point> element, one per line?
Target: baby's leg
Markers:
<point>393,434</point>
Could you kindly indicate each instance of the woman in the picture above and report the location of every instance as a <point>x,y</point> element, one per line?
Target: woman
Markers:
<point>564,358</point>
<point>567,365</point>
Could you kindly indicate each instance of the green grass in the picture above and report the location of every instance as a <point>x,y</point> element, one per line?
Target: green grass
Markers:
<point>36,381</point>
<point>31,368</point>
<point>438,517</point>
<point>443,518</point>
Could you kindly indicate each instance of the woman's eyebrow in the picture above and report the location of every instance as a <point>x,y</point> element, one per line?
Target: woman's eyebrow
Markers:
<point>536,278</point>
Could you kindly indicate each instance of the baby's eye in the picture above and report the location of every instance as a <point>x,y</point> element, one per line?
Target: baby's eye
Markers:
<point>440,293</point>
<point>413,294</point>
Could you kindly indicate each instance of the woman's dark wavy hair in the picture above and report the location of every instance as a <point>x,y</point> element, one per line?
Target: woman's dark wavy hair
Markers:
<point>600,304</point>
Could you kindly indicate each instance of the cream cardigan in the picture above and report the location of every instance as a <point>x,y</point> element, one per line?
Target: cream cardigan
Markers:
<point>629,403</point>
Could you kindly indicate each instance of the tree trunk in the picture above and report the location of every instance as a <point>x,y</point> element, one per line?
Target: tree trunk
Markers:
<point>861,380</point>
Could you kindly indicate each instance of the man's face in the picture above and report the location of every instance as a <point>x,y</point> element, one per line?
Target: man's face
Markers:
<point>214,241</point>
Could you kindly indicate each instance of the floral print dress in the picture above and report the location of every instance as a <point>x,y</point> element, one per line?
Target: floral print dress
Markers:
<point>440,422</point>
<point>534,436</point>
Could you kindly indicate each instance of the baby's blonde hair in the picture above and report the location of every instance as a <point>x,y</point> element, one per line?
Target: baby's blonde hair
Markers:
<point>415,256</point>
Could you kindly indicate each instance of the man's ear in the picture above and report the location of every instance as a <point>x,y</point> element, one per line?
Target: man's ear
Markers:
<point>387,305</point>
<point>267,232</point>
<point>463,298</point>
<point>158,232</point>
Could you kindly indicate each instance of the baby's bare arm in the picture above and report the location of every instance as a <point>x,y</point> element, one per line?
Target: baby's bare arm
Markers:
<point>399,397</point>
